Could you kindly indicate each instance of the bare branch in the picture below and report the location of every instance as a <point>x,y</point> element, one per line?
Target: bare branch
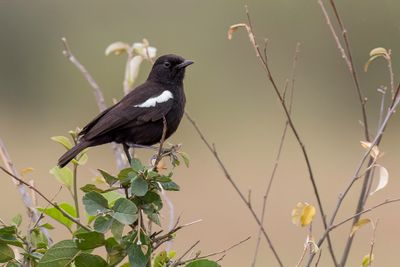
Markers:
<point>198,257</point>
<point>27,199</point>
<point>213,151</point>
<point>177,262</point>
<point>77,222</point>
<point>374,226</point>
<point>97,93</point>
<point>278,155</point>
<point>159,240</point>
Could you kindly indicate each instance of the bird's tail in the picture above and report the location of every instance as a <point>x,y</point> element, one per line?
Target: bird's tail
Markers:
<point>72,153</point>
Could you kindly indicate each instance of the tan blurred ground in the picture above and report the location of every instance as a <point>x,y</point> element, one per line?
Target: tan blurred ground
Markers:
<point>41,95</point>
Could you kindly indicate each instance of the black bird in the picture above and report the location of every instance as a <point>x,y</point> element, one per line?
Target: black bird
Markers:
<point>138,118</point>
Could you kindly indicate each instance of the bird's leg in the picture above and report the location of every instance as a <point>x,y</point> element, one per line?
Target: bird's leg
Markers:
<point>127,153</point>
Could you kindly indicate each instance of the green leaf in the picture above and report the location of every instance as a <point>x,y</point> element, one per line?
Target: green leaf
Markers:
<point>95,203</point>
<point>136,165</point>
<point>89,240</point>
<point>38,239</point>
<point>17,220</point>
<point>6,253</point>
<point>60,254</point>
<point>63,175</point>
<point>58,216</point>
<point>82,158</point>
<point>116,252</point>
<point>139,186</point>
<point>153,198</point>
<point>13,263</point>
<point>116,229</point>
<point>108,177</point>
<point>185,158</point>
<point>111,197</point>
<point>124,173</point>
<point>103,223</point>
<point>62,140</point>
<point>8,236</point>
<point>154,218</point>
<point>47,226</point>
<point>125,211</point>
<point>202,263</point>
<point>170,186</point>
<point>161,259</point>
<point>91,188</point>
<point>89,260</point>
<point>138,256</point>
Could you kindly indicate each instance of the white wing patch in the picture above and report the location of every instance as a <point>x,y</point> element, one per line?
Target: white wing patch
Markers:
<point>151,102</point>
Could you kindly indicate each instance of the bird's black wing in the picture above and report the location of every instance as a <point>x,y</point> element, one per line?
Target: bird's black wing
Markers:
<point>90,125</point>
<point>125,112</point>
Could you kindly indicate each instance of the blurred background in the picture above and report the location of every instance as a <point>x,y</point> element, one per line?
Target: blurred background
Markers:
<point>42,94</point>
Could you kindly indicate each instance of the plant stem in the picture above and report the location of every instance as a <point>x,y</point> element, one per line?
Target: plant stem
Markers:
<point>75,188</point>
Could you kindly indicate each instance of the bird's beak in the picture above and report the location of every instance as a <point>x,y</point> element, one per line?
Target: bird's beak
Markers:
<point>184,64</point>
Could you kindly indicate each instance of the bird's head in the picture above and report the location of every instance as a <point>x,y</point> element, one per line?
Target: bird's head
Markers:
<point>169,69</point>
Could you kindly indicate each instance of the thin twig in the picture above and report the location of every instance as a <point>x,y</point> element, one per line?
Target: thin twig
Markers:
<point>177,262</point>
<point>160,149</point>
<point>92,82</point>
<point>47,200</point>
<point>197,257</point>
<point>212,149</point>
<point>264,64</point>
<point>97,93</point>
<point>278,155</point>
<point>357,215</point>
<point>159,240</point>
<point>374,226</point>
<point>356,175</point>
<point>362,99</point>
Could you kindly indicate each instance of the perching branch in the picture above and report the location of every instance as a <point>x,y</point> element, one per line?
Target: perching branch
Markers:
<point>212,149</point>
<point>77,222</point>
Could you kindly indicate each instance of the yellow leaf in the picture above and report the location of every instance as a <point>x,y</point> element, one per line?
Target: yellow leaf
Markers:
<point>358,225</point>
<point>308,215</point>
<point>234,28</point>
<point>367,260</point>
<point>379,51</point>
<point>117,48</point>
<point>303,214</point>
<point>374,151</point>
<point>25,171</point>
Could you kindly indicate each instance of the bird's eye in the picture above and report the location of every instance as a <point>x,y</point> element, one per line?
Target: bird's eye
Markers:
<point>167,64</point>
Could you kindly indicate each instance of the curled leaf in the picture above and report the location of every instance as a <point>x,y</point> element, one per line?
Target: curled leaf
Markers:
<point>145,50</point>
<point>374,54</point>
<point>117,48</point>
<point>367,260</point>
<point>375,153</point>
<point>132,71</point>
<point>383,179</point>
<point>379,51</point>
<point>358,225</point>
<point>234,28</point>
<point>303,214</point>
